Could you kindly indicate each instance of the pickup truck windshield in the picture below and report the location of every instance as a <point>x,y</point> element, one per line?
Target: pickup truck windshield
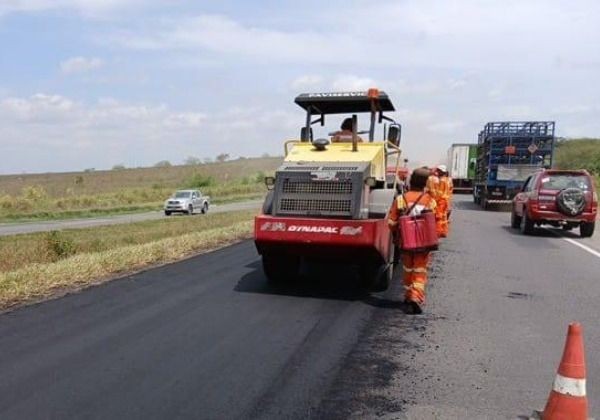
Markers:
<point>560,182</point>
<point>182,194</point>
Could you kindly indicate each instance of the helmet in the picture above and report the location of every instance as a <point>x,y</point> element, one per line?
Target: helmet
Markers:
<point>442,168</point>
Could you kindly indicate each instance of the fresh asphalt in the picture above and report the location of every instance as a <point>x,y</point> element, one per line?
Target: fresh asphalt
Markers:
<point>207,338</point>
<point>31,227</point>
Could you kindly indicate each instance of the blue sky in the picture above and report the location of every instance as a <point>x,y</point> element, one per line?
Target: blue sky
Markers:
<point>94,83</point>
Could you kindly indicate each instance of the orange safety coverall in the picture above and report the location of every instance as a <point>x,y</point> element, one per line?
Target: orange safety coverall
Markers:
<point>414,264</point>
<point>444,200</point>
<point>436,188</point>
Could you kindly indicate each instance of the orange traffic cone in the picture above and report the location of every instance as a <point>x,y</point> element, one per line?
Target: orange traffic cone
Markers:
<point>568,399</point>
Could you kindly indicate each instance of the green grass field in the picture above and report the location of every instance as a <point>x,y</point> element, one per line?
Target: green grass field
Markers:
<point>39,265</point>
<point>88,194</point>
<point>579,154</point>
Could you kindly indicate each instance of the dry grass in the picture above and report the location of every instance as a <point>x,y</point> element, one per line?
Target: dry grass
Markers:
<point>40,265</point>
<point>81,194</point>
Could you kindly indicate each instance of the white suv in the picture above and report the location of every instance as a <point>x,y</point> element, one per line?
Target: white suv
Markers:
<point>187,202</point>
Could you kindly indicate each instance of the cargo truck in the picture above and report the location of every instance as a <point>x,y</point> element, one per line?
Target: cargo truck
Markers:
<point>508,152</point>
<point>462,158</point>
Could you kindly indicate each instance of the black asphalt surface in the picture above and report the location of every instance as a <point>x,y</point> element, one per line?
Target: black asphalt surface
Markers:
<point>207,338</point>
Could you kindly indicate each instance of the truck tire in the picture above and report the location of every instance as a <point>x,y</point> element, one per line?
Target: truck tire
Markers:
<point>190,210</point>
<point>571,201</point>
<point>280,268</point>
<point>484,203</point>
<point>167,213</point>
<point>527,225</point>
<point>586,229</point>
<point>204,208</point>
<point>515,221</point>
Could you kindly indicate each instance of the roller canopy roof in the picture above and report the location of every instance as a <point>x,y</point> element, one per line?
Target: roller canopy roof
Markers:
<point>342,102</point>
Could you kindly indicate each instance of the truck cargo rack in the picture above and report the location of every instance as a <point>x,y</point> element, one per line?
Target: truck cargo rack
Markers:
<point>508,152</point>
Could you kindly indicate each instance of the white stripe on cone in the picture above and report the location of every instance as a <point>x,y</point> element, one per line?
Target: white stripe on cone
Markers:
<point>569,386</point>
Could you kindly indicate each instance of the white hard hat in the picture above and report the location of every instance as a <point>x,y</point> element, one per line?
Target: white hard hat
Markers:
<point>442,168</point>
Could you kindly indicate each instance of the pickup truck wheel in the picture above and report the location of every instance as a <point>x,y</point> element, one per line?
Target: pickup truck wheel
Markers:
<point>527,226</point>
<point>167,213</point>
<point>586,229</point>
<point>280,268</point>
<point>205,208</point>
<point>515,221</point>
<point>190,210</point>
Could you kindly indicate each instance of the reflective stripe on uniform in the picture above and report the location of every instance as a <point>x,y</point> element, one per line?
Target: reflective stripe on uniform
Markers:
<point>569,386</point>
<point>407,269</point>
<point>416,286</point>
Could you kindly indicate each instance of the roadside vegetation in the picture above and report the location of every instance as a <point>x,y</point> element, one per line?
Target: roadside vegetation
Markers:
<point>36,266</point>
<point>579,154</point>
<point>96,193</point>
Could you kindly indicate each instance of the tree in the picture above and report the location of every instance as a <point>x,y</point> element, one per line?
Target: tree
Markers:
<point>162,164</point>
<point>207,160</point>
<point>118,167</point>
<point>222,157</point>
<point>192,160</point>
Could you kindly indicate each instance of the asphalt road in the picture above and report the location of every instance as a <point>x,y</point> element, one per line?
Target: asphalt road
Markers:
<point>207,338</point>
<point>31,227</point>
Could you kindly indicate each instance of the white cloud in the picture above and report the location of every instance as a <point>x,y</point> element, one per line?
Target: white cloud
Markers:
<point>88,8</point>
<point>307,82</point>
<point>348,82</point>
<point>80,64</point>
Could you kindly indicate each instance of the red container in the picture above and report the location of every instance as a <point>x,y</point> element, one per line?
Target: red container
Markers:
<point>418,233</point>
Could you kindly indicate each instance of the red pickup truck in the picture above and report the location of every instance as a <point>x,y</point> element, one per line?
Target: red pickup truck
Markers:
<point>566,199</point>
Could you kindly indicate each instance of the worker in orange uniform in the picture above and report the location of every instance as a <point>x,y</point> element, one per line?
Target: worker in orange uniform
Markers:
<point>414,264</point>
<point>449,189</point>
<point>435,189</point>
<point>443,199</point>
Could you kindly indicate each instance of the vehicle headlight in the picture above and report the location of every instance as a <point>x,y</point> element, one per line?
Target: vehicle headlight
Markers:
<point>371,181</point>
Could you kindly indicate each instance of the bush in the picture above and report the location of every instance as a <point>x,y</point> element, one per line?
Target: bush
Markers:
<point>34,192</point>
<point>200,181</point>
<point>578,154</point>
<point>59,246</point>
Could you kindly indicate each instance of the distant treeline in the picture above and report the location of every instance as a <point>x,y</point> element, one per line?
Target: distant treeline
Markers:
<point>578,154</point>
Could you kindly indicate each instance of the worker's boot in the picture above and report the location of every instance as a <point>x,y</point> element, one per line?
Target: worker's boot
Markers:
<point>413,308</point>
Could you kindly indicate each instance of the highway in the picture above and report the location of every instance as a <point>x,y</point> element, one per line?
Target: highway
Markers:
<point>46,226</point>
<point>207,338</point>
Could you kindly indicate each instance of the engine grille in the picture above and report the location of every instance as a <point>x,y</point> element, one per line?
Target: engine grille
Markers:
<point>338,207</point>
<point>333,190</point>
<point>299,186</point>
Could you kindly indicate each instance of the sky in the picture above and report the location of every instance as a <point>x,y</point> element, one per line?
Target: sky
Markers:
<point>96,83</point>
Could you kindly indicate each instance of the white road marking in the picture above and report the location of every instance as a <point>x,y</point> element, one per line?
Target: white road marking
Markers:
<point>574,242</point>
<point>584,247</point>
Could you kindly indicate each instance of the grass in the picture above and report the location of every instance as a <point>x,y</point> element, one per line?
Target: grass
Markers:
<point>88,194</point>
<point>578,154</point>
<point>36,266</point>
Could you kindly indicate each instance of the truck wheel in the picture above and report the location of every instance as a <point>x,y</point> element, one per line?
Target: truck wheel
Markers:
<point>280,268</point>
<point>527,226</point>
<point>167,213</point>
<point>515,221</point>
<point>204,208</point>
<point>586,229</point>
<point>190,210</point>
